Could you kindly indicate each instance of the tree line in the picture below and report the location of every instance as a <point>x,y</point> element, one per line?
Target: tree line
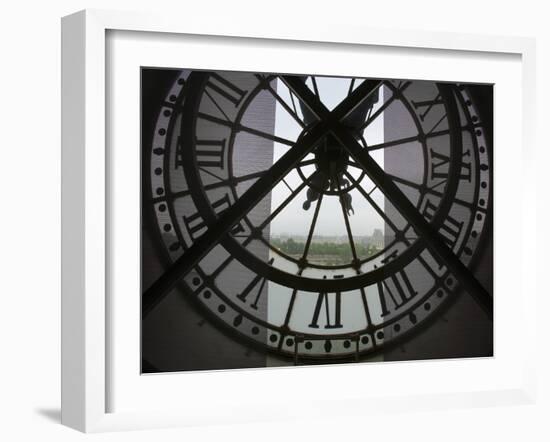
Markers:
<point>339,250</point>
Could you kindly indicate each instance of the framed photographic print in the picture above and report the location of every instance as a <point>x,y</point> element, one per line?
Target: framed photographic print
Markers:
<point>297,249</point>
<point>235,202</point>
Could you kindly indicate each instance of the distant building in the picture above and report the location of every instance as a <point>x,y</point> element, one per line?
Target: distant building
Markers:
<point>377,239</point>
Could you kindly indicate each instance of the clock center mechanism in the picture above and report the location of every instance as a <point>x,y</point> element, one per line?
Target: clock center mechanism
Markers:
<point>332,161</point>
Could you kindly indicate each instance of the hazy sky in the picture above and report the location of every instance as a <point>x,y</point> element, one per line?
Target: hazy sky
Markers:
<point>294,219</point>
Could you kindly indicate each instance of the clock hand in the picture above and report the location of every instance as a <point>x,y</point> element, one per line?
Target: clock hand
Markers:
<point>318,181</point>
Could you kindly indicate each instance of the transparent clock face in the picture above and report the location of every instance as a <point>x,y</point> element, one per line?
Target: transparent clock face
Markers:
<point>310,219</point>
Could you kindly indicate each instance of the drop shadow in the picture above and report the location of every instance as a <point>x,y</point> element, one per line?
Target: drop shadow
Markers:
<point>51,414</point>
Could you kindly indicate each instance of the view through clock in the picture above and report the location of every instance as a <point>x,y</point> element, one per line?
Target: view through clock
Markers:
<point>307,219</point>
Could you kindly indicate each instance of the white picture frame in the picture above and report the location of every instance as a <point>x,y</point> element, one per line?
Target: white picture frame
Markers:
<point>89,321</point>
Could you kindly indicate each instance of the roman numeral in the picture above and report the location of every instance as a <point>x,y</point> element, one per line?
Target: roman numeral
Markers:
<point>451,228</point>
<point>440,166</point>
<point>196,225</point>
<point>397,289</point>
<point>257,280</point>
<point>334,318</point>
<point>209,153</point>
<point>426,108</point>
<point>225,89</point>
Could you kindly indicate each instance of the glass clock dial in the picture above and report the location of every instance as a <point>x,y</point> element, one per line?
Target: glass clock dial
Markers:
<point>318,218</point>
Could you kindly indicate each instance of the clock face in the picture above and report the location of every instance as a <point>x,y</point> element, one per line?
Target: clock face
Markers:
<point>318,218</point>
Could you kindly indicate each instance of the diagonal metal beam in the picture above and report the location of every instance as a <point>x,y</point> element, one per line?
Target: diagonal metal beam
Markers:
<point>225,221</point>
<point>160,288</point>
<point>314,104</point>
<point>429,234</point>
